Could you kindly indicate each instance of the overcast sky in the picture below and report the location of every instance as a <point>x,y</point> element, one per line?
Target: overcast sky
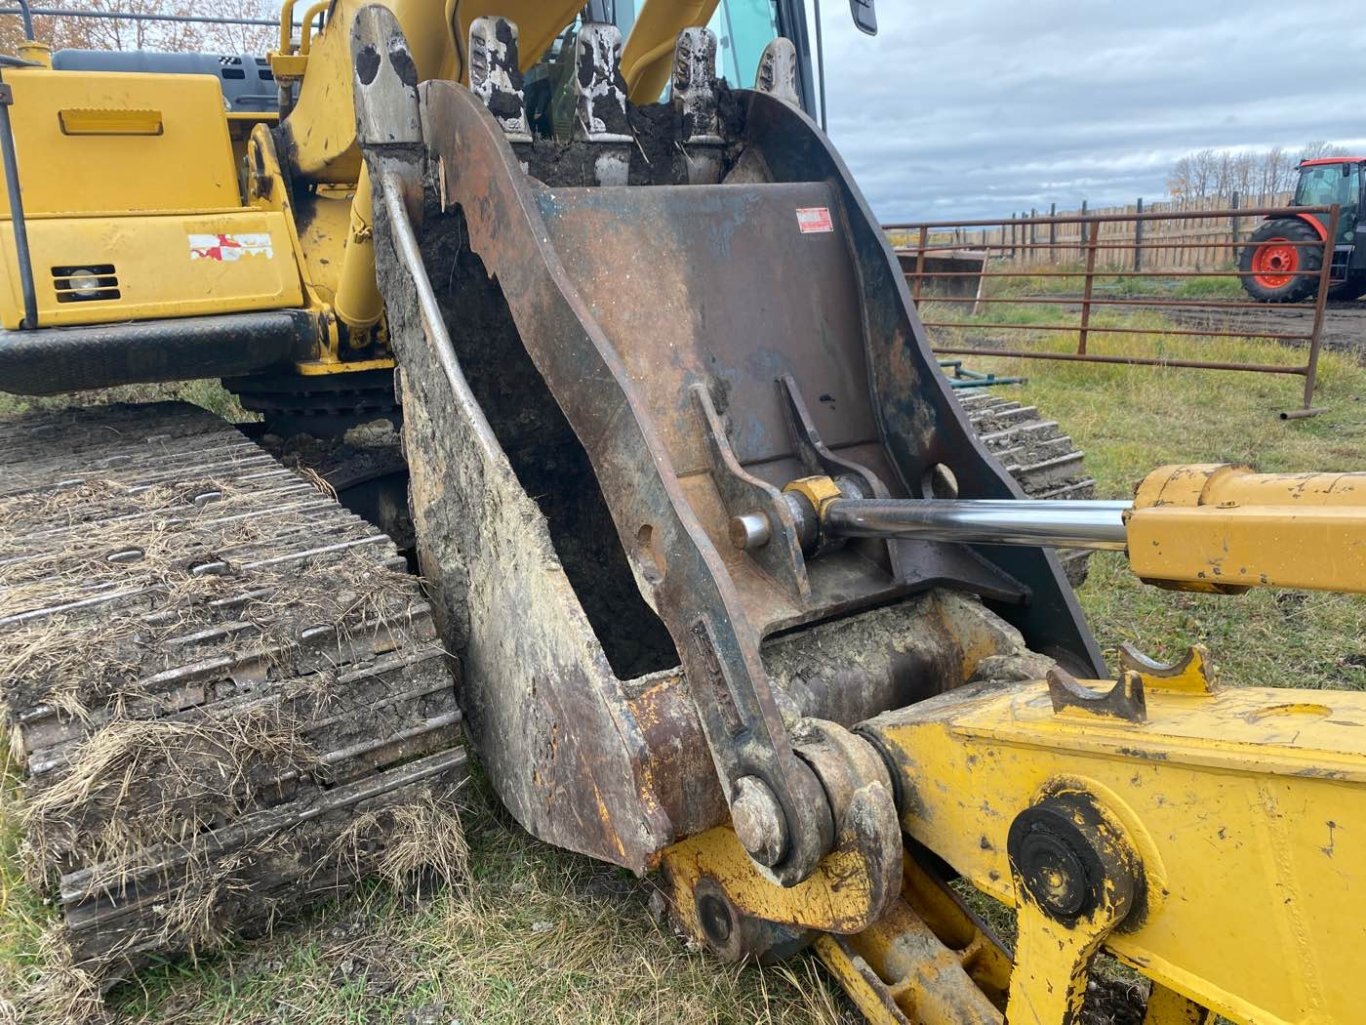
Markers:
<point>980,107</point>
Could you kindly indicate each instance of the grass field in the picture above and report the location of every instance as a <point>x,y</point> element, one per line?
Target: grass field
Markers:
<point>538,934</point>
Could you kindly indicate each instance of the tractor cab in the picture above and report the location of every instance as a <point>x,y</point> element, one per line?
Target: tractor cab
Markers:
<point>1283,259</point>
<point>1329,180</point>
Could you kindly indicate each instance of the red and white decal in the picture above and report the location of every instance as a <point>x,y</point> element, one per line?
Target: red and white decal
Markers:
<point>813,219</point>
<point>230,247</point>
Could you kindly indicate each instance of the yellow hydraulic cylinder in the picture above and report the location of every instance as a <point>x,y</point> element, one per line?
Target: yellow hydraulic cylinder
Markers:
<point>357,302</point>
<point>1215,528</point>
<point>1221,528</point>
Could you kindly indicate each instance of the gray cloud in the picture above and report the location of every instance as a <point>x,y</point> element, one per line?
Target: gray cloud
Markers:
<point>988,106</point>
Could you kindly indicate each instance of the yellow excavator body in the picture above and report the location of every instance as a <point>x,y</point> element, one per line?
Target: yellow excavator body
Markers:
<point>117,228</point>
<point>147,185</point>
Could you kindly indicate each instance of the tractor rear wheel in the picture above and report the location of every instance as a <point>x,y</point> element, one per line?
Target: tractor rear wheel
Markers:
<point>1277,265</point>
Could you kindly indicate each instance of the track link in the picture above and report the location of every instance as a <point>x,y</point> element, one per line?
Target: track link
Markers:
<point>226,691</point>
<point>1043,460</point>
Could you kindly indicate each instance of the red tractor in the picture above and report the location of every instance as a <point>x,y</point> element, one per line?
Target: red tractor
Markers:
<point>1277,264</point>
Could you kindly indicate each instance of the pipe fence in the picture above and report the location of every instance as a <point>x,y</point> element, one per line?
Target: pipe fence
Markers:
<point>1079,266</point>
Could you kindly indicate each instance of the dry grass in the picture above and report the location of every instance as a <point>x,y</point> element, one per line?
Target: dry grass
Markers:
<point>421,843</point>
<point>60,993</point>
<point>186,776</point>
<point>537,934</point>
<point>209,394</point>
<point>1132,420</point>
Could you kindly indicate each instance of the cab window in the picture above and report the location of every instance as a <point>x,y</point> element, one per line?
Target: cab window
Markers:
<point>1325,185</point>
<point>742,28</point>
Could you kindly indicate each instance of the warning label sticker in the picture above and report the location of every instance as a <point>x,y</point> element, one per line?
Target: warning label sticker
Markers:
<point>813,219</point>
<point>230,247</point>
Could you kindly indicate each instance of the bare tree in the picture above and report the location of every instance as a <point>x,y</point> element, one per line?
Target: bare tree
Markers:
<point>1318,148</point>
<point>1179,181</point>
<point>1210,172</point>
<point>129,34</point>
<point>1223,174</point>
<point>1246,173</point>
<point>1204,173</point>
<point>256,39</point>
<point>1276,170</point>
<point>59,33</point>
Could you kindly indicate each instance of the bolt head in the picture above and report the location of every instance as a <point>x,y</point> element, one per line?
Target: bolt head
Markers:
<point>757,818</point>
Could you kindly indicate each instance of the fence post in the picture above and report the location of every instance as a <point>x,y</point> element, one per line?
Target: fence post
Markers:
<point>1311,367</point>
<point>1013,241</point>
<point>1086,294</point>
<point>1138,237</point>
<point>920,263</point>
<point>1084,226</point>
<point>1235,222</point>
<point>1052,233</point>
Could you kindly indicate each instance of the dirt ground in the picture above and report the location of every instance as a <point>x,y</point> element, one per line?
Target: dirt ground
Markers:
<point>1344,323</point>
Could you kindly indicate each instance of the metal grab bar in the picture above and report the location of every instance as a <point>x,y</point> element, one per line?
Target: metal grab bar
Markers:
<point>16,208</point>
<point>26,11</point>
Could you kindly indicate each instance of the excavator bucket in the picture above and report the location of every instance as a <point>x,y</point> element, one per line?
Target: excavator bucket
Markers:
<point>616,349</point>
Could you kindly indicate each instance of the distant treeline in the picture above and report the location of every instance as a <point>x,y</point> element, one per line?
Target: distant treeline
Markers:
<point>65,32</point>
<point>1210,172</point>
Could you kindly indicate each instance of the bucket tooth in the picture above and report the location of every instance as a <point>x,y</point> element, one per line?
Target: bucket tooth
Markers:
<point>777,73</point>
<point>385,81</point>
<point>599,88</point>
<point>694,96</point>
<point>496,74</point>
<point>600,101</point>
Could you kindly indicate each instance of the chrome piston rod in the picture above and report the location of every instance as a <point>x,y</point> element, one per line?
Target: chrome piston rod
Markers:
<point>1033,522</point>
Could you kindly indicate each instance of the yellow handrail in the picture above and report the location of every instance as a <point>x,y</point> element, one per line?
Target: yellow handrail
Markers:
<point>305,27</point>
<point>286,25</point>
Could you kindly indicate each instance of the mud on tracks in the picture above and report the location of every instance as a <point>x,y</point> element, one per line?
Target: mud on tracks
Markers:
<point>226,691</point>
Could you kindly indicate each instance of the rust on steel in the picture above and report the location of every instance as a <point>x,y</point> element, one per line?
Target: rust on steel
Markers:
<point>587,425</point>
